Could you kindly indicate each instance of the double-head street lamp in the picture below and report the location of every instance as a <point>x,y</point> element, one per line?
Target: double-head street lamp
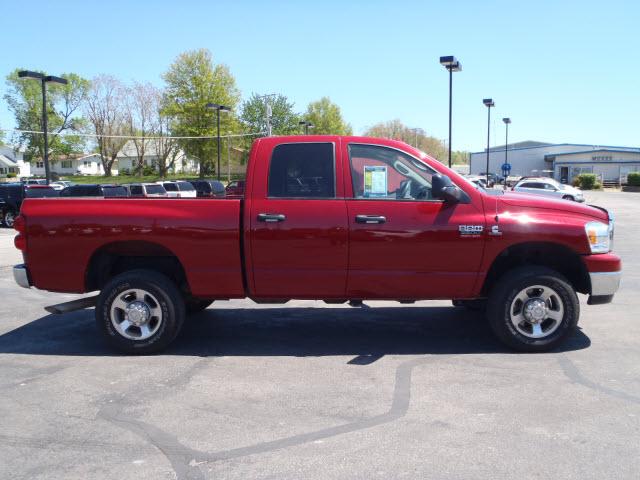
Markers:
<point>453,65</point>
<point>44,79</point>
<point>488,102</point>
<point>218,108</point>
<point>506,121</point>
<point>307,126</point>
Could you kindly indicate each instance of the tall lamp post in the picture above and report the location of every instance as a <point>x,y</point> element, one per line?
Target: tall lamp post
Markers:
<point>453,65</point>
<point>488,102</point>
<point>307,126</point>
<point>44,79</point>
<point>218,108</point>
<point>506,121</point>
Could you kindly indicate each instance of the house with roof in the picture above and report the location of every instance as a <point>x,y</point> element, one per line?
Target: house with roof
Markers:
<point>12,162</point>
<point>128,158</point>
<point>74,164</point>
<point>562,161</point>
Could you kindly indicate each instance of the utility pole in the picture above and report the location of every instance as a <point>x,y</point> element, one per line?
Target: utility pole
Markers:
<point>228,157</point>
<point>267,111</point>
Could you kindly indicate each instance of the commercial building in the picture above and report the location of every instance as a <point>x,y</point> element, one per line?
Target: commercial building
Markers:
<point>562,161</point>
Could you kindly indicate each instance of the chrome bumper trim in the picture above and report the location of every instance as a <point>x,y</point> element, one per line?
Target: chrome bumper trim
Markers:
<point>604,283</point>
<point>21,276</point>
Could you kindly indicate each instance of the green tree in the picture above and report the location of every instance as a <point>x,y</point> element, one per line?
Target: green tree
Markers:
<point>416,137</point>
<point>193,81</point>
<point>24,98</point>
<point>284,121</point>
<point>326,118</point>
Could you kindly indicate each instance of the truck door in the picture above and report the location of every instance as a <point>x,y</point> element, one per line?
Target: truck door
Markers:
<point>404,244</point>
<point>298,221</point>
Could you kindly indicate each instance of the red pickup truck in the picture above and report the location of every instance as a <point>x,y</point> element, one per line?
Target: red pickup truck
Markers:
<point>324,217</point>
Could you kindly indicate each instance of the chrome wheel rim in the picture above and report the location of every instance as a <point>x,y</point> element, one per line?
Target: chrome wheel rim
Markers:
<point>536,311</point>
<point>136,314</point>
<point>9,218</point>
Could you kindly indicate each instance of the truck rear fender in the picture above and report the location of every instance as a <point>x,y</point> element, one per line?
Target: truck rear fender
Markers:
<point>552,255</point>
<point>117,257</point>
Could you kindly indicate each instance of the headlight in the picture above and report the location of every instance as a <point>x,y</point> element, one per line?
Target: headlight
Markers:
<point>599,236</point>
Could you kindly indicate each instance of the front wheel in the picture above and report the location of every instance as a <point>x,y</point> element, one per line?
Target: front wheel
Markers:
<point>9,218</point>
<point>568,197</point>
<point>533,309</point>
<point>140,312</point>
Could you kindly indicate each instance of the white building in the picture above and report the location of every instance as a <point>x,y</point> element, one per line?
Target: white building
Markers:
<point>81,164</point>
<point>12,161</point>
<point>561,161</point>
<point>128,158</point>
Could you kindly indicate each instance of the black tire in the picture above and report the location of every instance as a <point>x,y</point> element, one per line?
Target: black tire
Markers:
<point>170,304</point>
<point>476,305</point>
<point>195,304</point>
<point>504,294</point>
<point>568,197</point>
<point>8,218</point>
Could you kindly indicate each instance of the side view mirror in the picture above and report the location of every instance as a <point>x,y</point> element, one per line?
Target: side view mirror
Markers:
<point>442,187</point>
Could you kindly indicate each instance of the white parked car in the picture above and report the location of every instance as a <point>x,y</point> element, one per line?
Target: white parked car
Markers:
<point>549,187</point>
<point>179,189</point>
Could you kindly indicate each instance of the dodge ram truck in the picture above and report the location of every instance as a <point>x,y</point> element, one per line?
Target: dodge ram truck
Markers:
<point>333,218</point>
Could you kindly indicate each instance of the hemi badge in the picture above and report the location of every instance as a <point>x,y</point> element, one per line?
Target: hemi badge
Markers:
<point>470,229</point>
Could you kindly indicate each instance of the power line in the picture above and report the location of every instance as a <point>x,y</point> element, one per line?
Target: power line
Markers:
<point>94,135</point>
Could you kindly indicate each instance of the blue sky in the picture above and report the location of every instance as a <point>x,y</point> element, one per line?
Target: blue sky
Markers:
<point>564,71</point>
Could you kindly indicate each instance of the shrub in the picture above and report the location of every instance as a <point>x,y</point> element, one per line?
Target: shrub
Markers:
<point>148,170</point>
<point>11,175</point>
<point>124,171</point>
<point>633,179</point>
<point>587,181</point>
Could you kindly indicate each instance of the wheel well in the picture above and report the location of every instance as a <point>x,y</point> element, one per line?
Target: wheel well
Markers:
<point>118,257</point>
<point>557,257</point>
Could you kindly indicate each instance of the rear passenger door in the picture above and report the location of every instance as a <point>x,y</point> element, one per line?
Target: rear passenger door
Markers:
<point>298,222</point>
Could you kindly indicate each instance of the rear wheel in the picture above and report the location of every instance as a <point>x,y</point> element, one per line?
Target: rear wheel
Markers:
<point>533,309</point>
<point>140,312</point>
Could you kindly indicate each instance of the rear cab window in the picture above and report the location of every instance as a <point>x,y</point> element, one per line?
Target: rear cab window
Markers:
<point>302,170</point>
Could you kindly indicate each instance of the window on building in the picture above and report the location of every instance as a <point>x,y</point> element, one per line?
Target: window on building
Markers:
<point>39,164</point>
<point>87,164</point>
<point>66,164</point>
<point>575,171</point>
<point>302,170</point>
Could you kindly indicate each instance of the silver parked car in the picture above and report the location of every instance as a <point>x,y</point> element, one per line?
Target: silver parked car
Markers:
<point>549,187</point>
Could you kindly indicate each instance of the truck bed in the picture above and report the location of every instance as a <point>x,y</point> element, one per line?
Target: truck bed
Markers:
<point>66,235</point>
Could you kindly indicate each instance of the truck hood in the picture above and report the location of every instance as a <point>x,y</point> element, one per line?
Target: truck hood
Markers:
<point>543,203</point>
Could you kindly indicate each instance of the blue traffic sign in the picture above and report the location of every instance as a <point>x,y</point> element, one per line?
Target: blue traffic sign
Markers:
<point>506,167</point>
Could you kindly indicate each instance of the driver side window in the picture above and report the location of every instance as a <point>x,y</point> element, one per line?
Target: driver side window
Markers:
<point>384,173</point>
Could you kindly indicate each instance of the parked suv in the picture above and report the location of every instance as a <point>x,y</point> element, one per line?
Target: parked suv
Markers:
<point>12,195</point>
<point>549,187</point>
<point>146,190</point>
<point>94,190</point>
<point>235,188</point>
<point>208,188</point>
<point>179,189</point>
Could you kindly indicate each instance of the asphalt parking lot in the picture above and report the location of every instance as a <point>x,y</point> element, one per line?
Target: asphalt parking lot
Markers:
<point>304,391</point>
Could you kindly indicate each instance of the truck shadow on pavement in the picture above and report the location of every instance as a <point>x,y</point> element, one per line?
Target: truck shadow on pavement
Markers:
<point>367,334</point>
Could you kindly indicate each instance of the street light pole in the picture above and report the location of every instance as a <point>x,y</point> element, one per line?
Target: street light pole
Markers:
<point>44,79</point>
<point>506,121</point>
<point>218,108</point>
<point>228,157</point>
<point>453,65</point>
<point>307,126</point>
<point>488,102</point>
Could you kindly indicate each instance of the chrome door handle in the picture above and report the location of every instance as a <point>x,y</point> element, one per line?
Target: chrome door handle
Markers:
<point>370,219</point>
<point>271,217</point>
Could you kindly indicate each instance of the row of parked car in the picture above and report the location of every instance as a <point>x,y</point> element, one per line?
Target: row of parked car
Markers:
<point>13,194</point>
<point>535,185</point>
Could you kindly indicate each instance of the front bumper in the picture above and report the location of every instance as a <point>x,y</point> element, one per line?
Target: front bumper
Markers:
<point>21,276</point>
<point>605,283</point>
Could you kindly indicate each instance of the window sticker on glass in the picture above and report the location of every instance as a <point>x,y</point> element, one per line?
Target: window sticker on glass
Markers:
<point>375,181</point>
